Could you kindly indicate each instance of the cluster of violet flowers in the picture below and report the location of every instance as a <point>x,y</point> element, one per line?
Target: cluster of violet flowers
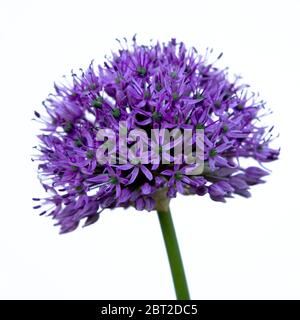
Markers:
<point>162,86</point>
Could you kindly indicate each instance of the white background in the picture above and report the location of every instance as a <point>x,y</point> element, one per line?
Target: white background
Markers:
<point>244,249</point>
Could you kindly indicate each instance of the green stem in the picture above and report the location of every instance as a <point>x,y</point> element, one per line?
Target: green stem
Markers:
<point>176,265</point>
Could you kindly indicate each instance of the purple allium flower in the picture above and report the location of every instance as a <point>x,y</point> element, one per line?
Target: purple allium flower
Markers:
<point>159,86</point>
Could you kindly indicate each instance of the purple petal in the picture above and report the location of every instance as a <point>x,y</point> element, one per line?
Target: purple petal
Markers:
<point>147,173</point>
<point>91,219</point>
<point>118,191</point>
<point>167,172</point>
<point>255,172</point>
<point>99,178</point>
<point>140,204</point>
<point>215,190</point>
<point>125,196</point>
<point>238,183</point>
<point>146,188</point>
<point>149,204</point>
<point>133,175</point>
<point>179,186</point>
<point>124,166</point>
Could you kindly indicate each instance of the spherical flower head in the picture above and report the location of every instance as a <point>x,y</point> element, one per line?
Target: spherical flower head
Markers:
<point>158,87</point>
